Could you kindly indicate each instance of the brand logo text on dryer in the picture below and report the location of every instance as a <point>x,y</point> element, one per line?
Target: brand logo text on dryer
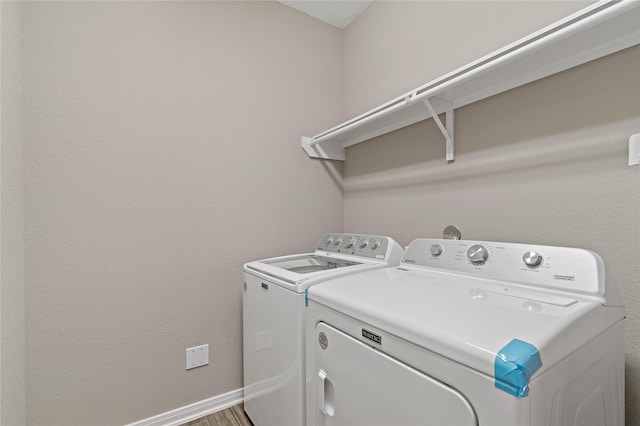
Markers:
<point>371,336</point>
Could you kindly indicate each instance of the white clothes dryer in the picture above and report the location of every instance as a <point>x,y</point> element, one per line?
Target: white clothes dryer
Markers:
<point>273,323</point>
<point>468,333</point>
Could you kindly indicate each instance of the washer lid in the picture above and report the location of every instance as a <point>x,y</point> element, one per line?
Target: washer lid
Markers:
<point>467,319</point>
<point>309,263</point>
<point>297,272</point>
<point>336,255</point>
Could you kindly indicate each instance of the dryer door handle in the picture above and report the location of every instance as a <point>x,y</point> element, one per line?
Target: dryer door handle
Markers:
<point>325,394</point>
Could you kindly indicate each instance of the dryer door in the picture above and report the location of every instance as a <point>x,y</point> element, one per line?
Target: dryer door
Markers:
<point>359,385</point>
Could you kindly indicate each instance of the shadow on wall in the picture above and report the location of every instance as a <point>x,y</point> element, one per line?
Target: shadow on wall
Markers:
<point>583,145</point>
<point>545,122</point>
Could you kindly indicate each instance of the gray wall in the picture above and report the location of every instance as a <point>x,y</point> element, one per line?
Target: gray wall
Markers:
<point>545,163</point>
<point>161,152</point>
<point>12,307</point>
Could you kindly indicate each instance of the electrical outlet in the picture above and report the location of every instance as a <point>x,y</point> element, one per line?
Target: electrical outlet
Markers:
<point>197,356</point>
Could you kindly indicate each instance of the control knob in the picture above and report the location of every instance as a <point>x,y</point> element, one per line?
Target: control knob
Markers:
<point>328,241</point>
<point>532,259</point>
<point>477,254</point>
<point>337,241</point>
<point>351,242</point>
<point>375,244</point>
<point>436,250</point>
<point>363,244</point>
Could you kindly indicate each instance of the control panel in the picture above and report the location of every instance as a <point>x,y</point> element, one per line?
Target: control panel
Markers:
<point>369,246</point>
<point>561,268</point>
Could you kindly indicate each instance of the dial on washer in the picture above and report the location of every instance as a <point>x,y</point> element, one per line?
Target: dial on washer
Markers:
<point>351,242</point>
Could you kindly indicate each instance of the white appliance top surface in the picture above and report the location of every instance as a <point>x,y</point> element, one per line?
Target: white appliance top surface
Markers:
<point>471,317</point>
<point>310,263</point>
<point>336,255</point>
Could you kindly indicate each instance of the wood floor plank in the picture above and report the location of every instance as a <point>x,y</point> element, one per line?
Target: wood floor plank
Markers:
<point>202,421</point>
<point>223,418</point>
<point>241,416</point>
<point>232,416</point>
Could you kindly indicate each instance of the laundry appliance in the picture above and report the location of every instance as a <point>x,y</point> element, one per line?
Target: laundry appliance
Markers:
<point>468,333</point>
<point>273,325</point>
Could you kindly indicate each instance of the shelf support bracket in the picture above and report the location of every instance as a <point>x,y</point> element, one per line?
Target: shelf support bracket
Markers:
<point>446,129</point>
<point>317,150</point>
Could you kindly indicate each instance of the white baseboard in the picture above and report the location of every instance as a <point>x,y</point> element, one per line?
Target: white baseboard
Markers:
<point>193,411</point>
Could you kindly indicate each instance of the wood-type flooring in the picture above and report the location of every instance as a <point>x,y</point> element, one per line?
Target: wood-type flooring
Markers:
<point>232,416</point>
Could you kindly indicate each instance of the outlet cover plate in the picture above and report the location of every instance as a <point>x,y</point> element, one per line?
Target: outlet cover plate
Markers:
<point>197,356</point>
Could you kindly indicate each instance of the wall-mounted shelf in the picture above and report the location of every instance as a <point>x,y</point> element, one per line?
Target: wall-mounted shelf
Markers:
<point>598,30</point>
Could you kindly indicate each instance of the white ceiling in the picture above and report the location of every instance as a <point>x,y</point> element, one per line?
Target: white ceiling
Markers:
<point>337,13</point>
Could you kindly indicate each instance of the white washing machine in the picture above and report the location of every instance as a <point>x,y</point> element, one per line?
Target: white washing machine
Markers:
<point>468,333</point>
<point>273,323</point>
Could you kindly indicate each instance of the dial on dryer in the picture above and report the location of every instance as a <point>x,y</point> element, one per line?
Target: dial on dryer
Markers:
<point>532,259</point>
<point>477,254</point>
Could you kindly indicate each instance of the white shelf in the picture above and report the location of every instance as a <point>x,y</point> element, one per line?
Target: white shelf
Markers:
<point>596,31</point>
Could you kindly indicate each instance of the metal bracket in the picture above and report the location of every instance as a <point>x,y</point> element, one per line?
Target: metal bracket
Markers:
<point>328,152</point>
<point>446,129</point>
<point>316,148</point>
